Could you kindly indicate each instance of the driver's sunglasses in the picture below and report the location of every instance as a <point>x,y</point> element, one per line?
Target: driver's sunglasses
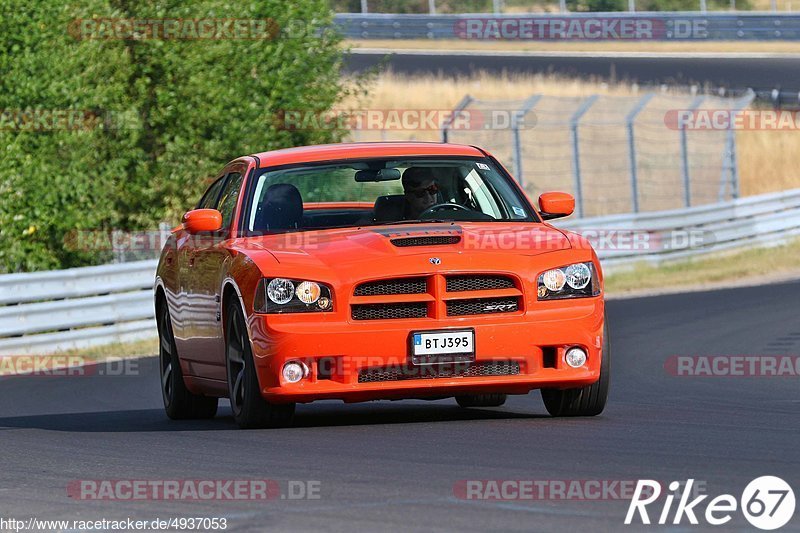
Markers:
<point>420,193</point>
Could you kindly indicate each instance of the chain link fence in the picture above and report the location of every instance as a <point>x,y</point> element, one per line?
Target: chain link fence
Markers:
<point>615,154</point>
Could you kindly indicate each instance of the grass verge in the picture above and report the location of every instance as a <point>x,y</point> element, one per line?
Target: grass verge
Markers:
<point>54,364</point>
<point>142,348</point>
<point>739,267</point>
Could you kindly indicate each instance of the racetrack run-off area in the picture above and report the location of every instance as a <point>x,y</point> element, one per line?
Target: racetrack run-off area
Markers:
<point>761,72</point>
<point>394,465</point>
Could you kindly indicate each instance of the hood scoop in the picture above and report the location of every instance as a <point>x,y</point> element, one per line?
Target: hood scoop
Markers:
<point>426,240</point>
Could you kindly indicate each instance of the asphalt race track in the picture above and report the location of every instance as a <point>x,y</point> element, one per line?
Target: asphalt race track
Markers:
<point>393,465</point>
<point>761,72</point>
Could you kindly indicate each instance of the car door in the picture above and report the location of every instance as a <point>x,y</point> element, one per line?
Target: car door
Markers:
<point>207,268</point>
<point>182,323</point>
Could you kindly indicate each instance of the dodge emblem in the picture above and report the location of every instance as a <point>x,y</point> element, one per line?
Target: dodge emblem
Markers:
<point>435,260</point>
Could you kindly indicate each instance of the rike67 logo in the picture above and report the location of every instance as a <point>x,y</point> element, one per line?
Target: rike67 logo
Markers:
<point>767,503</point>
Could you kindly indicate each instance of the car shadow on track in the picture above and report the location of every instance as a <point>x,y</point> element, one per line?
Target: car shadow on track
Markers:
<point>146,420</point>
<point>398,413</point>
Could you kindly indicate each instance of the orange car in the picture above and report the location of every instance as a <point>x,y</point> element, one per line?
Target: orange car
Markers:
<point>376,271</point>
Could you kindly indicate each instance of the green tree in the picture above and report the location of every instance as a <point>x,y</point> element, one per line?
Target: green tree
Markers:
<point>170,113</point>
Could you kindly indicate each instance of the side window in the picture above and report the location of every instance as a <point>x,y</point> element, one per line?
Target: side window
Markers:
<point>229,198</point>
<point>481,195</point>
<point>209,199</point>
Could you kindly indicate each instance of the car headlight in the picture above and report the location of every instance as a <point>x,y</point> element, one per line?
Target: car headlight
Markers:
<point>282,295</point>
<point>577,280</point>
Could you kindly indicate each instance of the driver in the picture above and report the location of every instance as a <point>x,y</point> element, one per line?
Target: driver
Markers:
<point>421,191</point>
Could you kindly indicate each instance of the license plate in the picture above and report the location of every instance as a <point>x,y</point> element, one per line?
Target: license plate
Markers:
<point>435,347</point>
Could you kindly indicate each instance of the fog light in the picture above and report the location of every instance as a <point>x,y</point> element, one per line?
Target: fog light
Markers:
<point>294,371</point>
<point>575,357</point>
<point>324,303</point>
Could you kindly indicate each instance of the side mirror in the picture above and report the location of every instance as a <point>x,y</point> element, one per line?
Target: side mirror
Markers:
<point>556,205</point>
<point>199,220</point>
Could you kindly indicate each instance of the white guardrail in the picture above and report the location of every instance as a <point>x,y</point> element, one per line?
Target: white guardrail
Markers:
<point>44,312</point>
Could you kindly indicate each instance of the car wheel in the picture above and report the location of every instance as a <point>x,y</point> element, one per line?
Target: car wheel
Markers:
<point>250,409</point>
<point>481,400</point>
<point>179,402</point>
<point>582,401</point>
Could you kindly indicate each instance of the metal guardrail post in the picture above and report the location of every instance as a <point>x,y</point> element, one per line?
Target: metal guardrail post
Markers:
<point>432,7</point>
<point>687,182</point>
<point>730,163</point>
<point>117,252</point>
<point>459,107</point>
<point>629,120</point>
<point>746,101</point>
<point>703,7</point>
<point>364,6</point>
<point>515,120</point>
<point>632,6</point>
<point>562,6</point>
<point>576,156</point>
<point>497,5</point>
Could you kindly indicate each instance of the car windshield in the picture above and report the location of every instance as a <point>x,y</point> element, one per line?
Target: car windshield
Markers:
<point>376,192</point>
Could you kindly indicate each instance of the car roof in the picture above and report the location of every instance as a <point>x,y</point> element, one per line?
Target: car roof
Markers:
<point>336,152</point>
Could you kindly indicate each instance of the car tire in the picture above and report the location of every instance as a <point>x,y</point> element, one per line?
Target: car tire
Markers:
<point>250,409</point>
<point>179,402</point>
<point>481,400</point>
<point>582,401</point>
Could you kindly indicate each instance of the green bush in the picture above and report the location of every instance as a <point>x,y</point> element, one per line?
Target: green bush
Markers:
<point>161,116</point>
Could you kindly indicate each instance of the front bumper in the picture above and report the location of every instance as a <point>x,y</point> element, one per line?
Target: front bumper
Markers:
<point>338,352</point>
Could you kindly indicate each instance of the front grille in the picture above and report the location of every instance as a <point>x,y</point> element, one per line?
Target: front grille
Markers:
<point>481,306</point>
<point>389,311</point>
<point>400,373</point>
<point>431,240</point>
<point>478,283</point>
<point>392,286</point>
